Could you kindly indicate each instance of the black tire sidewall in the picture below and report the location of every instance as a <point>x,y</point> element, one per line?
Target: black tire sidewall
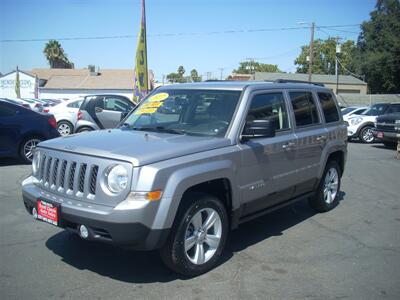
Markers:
<point>175,253</point>
<point>317,202</point>
<point>67,123</point>
<point>361,134</point>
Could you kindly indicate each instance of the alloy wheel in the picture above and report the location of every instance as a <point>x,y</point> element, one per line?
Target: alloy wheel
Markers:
<point>64,129</point>
<point>331,185</point>
<point>29,146</point>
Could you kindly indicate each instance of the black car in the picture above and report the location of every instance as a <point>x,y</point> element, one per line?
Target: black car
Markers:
<point>387,129</point>
<point>102,111</point>
<point>21,129</point>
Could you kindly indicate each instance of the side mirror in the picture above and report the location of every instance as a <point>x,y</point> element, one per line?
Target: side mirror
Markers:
<point>258,129</point>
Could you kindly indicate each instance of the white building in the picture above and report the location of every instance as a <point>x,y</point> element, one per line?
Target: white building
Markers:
<point>69,83</point>
<point>26,82</point>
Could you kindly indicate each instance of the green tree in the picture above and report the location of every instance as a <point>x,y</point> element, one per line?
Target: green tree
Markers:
<point>379,48</point>
<point>324,57</point>
<point>56,56</point>
<point>173,77</point>
<point>249,67</point>
<point>178,76</point>
<point>194,76</point>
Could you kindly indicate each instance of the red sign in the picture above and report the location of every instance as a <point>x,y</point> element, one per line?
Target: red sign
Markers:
<point>47,212</point>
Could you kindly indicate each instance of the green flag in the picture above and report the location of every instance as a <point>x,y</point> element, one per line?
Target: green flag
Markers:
<point>17,85</point>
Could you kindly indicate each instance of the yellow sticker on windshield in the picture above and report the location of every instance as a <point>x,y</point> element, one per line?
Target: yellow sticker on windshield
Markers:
<point>142,111</point>
<point>152,104</point>
<point>159,97</point>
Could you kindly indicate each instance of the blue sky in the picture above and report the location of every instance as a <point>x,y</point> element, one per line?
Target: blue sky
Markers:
<point>37,19</point>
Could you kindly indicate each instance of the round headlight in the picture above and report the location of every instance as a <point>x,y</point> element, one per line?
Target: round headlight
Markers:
<point>117,179</point>
<point>35,162</point>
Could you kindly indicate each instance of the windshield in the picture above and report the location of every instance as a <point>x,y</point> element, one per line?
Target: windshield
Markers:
<point>193,112</point>
<point>376,110</point>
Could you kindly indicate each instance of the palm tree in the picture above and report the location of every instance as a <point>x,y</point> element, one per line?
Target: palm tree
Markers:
<point>55,55</point>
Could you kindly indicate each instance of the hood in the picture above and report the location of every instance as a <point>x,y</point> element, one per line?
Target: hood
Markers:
<point>389,118</point>
<point>138,147</point>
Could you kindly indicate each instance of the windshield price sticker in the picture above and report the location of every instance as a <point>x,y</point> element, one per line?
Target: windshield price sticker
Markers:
<point>152,105</point>
<point>159,97</point>
<point>142,111</point>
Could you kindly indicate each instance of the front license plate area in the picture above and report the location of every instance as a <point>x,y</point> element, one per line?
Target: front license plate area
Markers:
<point>48,212</point>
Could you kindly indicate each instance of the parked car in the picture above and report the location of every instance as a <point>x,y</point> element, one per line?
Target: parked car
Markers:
<point>17,102</point>
<point>21,129</point>
<point>180,182</point>
<point>66,115</point>
<point>34,105</point>
<point>387,129</point>
<point>102,111</point>
<point>352,111</point>
<point>362,126</point>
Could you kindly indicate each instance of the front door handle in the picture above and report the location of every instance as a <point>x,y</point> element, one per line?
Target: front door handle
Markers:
<point>288,146</point>
<point>321,138</point>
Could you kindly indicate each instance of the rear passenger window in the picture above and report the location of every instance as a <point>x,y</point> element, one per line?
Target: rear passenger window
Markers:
<point>305,111</point>
<point>328,107</point>
<point>271,107</point>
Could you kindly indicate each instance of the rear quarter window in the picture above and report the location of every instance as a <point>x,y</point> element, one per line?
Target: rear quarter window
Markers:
<point>328,106</point>
<point>304,108</point>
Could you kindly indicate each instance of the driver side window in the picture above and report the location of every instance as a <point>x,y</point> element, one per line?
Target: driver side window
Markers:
<point>271,107</point>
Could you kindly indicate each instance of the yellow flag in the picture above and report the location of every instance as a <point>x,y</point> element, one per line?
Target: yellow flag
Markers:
<point>141,75</point>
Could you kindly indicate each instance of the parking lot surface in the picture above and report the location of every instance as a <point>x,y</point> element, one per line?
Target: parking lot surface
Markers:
<point>350,252</point>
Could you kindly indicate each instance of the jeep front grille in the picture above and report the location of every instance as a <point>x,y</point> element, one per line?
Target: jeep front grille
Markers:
<point>69,177</point>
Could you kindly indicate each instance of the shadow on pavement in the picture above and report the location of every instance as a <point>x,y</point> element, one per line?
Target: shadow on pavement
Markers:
<point>144,267</point>
<point>384,148</point>
<point>5,162</point>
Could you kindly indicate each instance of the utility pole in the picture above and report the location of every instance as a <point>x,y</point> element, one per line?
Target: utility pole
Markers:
<point>338,50</point>
<point>222,71</point>
<point>310,65</point>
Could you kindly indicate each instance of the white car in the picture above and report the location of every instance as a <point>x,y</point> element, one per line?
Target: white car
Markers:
<point>66,115</point>
<point>362,126</point>
<point>352,111</point>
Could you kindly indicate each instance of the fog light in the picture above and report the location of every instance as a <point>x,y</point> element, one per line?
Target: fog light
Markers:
<point>34,212</point>
<point>83,231</point>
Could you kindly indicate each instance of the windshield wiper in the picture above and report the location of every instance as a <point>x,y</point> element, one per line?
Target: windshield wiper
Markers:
<point>160,129</point>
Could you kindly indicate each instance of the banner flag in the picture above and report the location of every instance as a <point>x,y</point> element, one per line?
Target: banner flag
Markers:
<point>141,87</point>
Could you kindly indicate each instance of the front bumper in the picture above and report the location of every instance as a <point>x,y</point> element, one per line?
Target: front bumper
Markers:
<point>129,228</point>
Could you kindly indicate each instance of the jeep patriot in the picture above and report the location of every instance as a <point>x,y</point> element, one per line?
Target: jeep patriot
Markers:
<point>190,163</point>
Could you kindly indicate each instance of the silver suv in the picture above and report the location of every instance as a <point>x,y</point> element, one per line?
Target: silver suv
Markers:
<point>191,163</point>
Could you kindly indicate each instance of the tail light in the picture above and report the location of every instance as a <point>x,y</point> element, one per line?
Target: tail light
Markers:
<point>37,105</point>
<point>80,115</point>
<point>46,110</point>
<point>52,122</point>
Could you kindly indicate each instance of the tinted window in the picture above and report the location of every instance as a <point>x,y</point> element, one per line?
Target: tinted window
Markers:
<point>376,110</point>
<point>394,108</point>
<point>347,110</point>
<point>269,107</point>
<point>328,107</point>
<point>305,111</point>
<point>6,111</point>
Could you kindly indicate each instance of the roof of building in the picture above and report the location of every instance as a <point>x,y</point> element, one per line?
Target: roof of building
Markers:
<point>83,79</point>
<point>320,78</point>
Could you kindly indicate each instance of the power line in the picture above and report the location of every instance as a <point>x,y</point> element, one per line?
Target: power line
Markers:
<point>173,34</point>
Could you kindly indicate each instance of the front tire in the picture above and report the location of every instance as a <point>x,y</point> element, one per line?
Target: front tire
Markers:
<point>84,129</point>
<point>366,135</point>
<point>27,147</point>
<point>326,196</point>
<point>198,236</point>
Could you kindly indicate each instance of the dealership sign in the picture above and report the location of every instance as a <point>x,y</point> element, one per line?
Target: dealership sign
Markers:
<point>26,83</point>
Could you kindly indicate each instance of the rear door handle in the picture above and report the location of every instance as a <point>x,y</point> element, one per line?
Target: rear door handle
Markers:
<point>288,146</point>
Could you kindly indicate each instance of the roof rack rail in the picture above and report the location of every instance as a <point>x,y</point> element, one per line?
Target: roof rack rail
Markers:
<point>297,81</point>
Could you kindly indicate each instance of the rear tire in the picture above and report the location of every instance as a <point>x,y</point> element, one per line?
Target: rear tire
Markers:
<point>326,196</point>
<point>26,148</point>
<point>198,236</point>
<point>65,128</point>
<point>366,135</point>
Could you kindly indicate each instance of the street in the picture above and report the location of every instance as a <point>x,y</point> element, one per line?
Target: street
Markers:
<point>350,252</point>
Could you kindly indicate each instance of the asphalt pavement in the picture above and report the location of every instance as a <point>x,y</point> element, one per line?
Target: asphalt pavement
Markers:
<point>351,252</point>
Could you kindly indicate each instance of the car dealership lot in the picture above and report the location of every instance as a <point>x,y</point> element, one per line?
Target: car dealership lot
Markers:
<point>350,252</point>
